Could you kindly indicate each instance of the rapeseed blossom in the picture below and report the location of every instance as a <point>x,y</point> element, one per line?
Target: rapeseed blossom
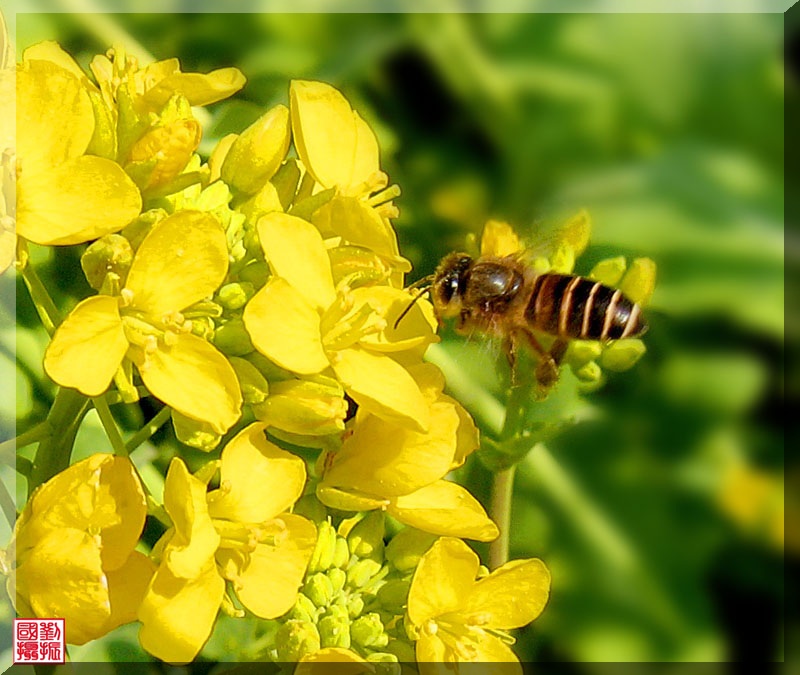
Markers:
<point>180,262</point>
<point>240,533</point>
<point>72,555</point>
<point>455,616</point>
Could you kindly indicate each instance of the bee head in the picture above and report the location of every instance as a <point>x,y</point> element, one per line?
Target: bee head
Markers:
<point>450,283</point>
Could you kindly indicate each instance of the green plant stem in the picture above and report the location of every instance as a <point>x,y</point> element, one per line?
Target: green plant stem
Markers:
<point>500,512</point>
<point>110,426</point>
<point>53,453</point>
<point>7,505</point>
<point>8,448</point>
<point>148,429</point>
<point>45,307</point>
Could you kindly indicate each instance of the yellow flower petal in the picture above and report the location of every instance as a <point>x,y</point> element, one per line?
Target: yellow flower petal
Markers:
<point>445,508</point>
<point>358,224</point>
<point>62,577</point>
<point>347,500</point>
<point>126,588</point>
<point>55,116</point>
<point>50,50</point>
<point>334,143</point>
<point>195,540</point>
<point>295,251</point>
<point>442,580</point>
<point>88,346</point>
<point>258,480</point>
<point>268,581</point>
<point>195,379</point>
<point>183,259</point>
<point>178,614</point>
<point>383,459</point>
<point>199,89</point>
<point>639,281</point>
<point>511,596</point>
<point>285,328</point>
<point>317,662</point>
<point>489,648</point>
<point>499,239</point>
<point>79,200</point>
<point>418,327</point>
<point>382,386</point>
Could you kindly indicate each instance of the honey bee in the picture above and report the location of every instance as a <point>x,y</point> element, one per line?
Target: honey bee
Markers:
<point>505,298</point>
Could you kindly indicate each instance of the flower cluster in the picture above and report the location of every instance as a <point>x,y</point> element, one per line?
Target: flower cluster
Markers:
<point>256,295</point>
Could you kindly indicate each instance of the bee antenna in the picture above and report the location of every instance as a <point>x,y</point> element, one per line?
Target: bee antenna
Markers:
<point>424,286</point>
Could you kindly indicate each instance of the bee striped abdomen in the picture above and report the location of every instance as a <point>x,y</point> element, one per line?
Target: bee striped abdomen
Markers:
<point>578,308</point>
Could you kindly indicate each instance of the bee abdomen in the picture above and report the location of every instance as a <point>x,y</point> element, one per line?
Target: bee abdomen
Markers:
<point>578,308</point>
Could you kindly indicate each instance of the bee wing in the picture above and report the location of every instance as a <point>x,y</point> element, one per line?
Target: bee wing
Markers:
<point>556,245</point>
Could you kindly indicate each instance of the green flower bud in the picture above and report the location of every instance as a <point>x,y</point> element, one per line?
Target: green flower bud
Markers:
<point>104,138</point>
<point>194,433</point>
<point>257,153</point>
<point>403,651</point>
<point>267,368</point>
<point>361,573</point>
<point>622,354</point>
<point>407,547</point>
<point>609,271</point>
<point>265,201</point>
<point>138,229</point>
<point>393,595</point>
<point>581,352</point>
<point>232,338</point>
<point>253,384</point>
<point>109,254</point>
<point>304,609</point>
<point>319,589</point>
<point>322,557</point>
<point>295,639</point>
<point>588,372</point>
<point>285,181</point>
<point>235,295</point>
<point>342,555</point>
<point>368,631</point>
<point>334,628</point>
<point>355,605</point>
<point>383,657</point>
<point>312,508</point>
<point>338,579</point>
<point>365,540</point>
<point>305,407</point>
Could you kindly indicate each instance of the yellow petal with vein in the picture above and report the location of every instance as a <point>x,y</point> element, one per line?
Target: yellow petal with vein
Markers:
<point>77,201</point>
<point>183,259</point>
<point>88,346</point>
<point>445,508</point>
<point>195,379</point>
<point>295,251</point>
<point>285,328</point>
<point>261,480</point>
<point>382,386</point>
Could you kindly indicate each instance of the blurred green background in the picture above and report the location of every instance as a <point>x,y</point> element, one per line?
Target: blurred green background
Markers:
<point>660,512</point>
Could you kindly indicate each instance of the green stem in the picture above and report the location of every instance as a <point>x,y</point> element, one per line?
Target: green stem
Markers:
<point>8,448</point>
<point>148,429</point>
<point>45,307</point>
<point>7,505</point>
<point>53,453</point>
<point>110,426</point>
<point>500,512</point>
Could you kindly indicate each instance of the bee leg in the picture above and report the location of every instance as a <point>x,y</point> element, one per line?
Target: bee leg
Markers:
<point>547,370</point>
<point>510,348</point>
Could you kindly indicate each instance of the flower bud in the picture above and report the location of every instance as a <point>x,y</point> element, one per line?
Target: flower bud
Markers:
<point>235,295</point>
<point>322,557</point>
<point>639,281</point>
<point>365,540</point>
<point>588,372</point>
<point>362,572</point>
<point>257,153</point>
<point>355,605</point>
<point>256,273</point>
<point>334,628</point>
<point>232,338</point>
<point>310,507</point>
<point>253,384</point>
<point>109,254</point>
<point>285,181</point>
<point>368,631</point>
<point>342,555</point>
<point>194,433</point>
<point>407,547</point>
<point>582,351</point>
<point>313,408</point>
<point>384,657</point>
<point>338,578</point>
<point>319,589</point>
<point>304,609</point>
<point>622,354</point>
<point>609,271</point>
<point>138,229</point>
<point>403,651</point>
<point>295,639</point>
<point>394,594</point>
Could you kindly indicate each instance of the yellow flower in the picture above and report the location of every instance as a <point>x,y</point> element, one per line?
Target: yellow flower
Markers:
<point>320,660</point>
<point>63,195</point>
<point>240,533</point>
<point>182,260</point>
<point>341,152</point>
<point>73,549</point>
<point>303,323</point>
<point>456,618</point>
<point>386,466</point>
